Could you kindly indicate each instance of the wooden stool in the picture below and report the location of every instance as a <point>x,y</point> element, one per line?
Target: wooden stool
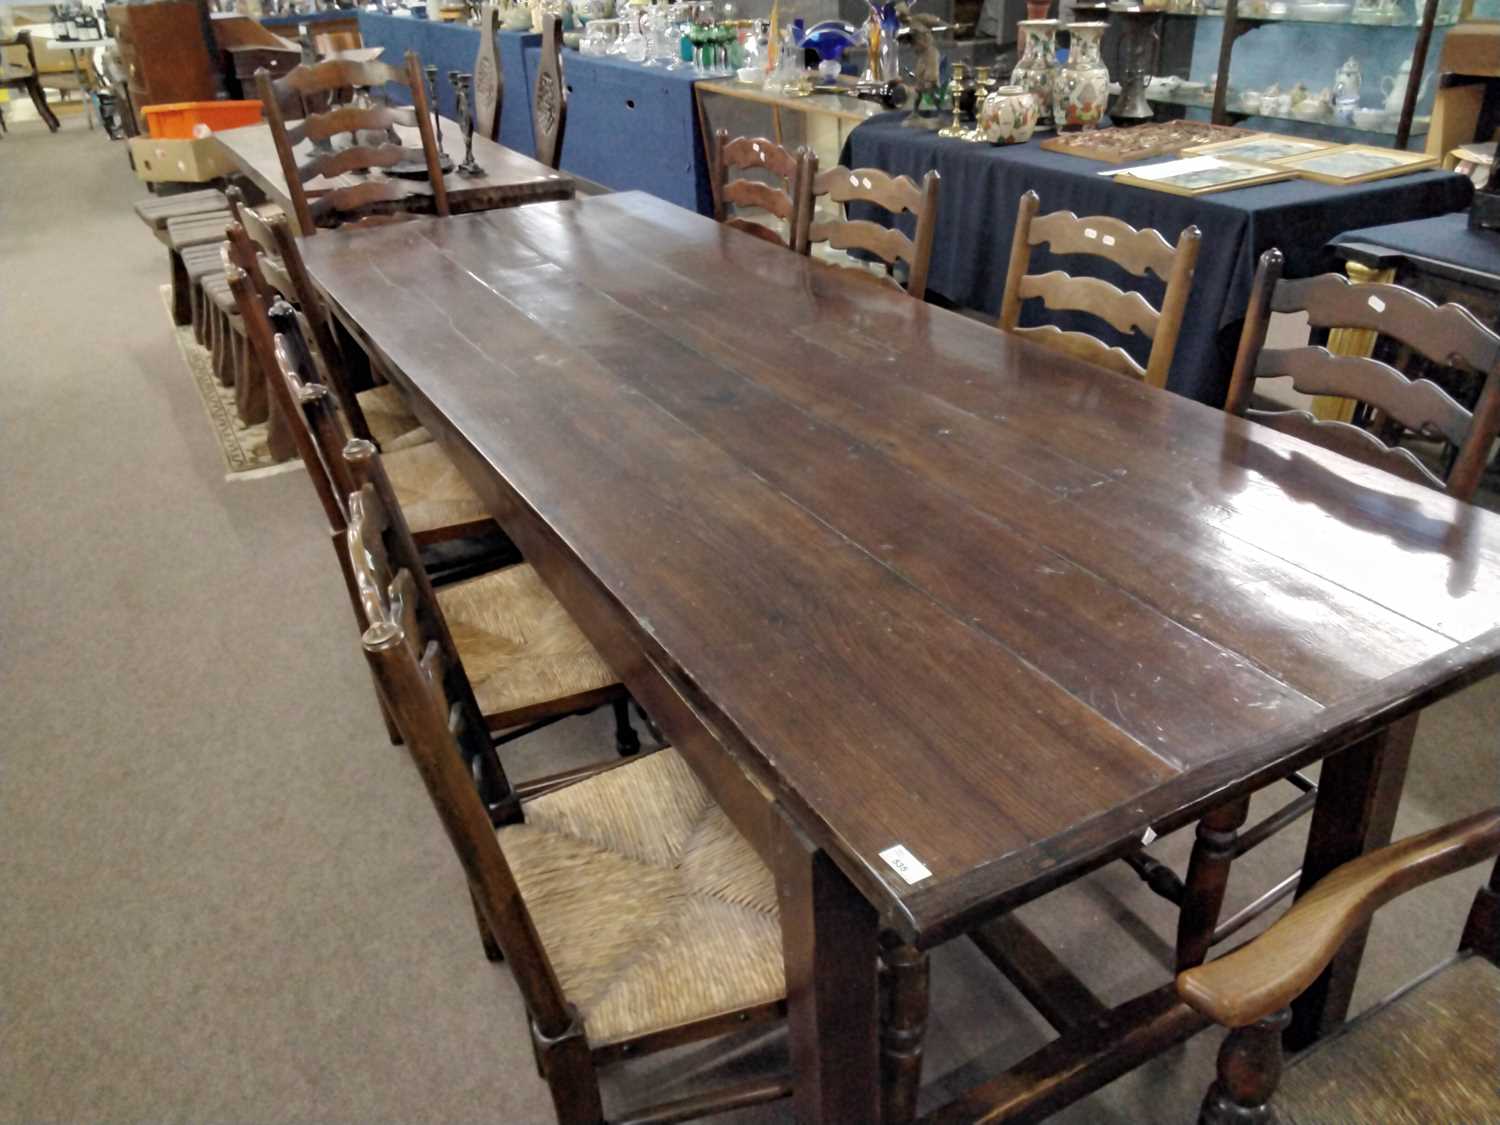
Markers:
<point>180,234</point>
<point>156,210</point>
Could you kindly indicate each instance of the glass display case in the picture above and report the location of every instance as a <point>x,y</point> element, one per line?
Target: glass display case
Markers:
<point>1347,70</point>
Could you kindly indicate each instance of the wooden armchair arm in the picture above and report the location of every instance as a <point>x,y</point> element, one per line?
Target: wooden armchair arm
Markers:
<point>1267,974</point>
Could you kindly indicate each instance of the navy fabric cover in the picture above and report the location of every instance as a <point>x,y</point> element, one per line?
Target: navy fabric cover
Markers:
<point>1446,239</point>
<point>633,128</point>
<point>454,47</point>
<point>982,187</point>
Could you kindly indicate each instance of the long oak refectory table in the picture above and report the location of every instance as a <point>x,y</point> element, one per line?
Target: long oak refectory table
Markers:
<point>943,620</point>
<point>509,178</point>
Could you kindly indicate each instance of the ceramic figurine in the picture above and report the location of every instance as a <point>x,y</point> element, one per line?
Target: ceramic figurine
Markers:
<point>1082,85</point>
<point>1036,70</point>
<point>1008,116</point>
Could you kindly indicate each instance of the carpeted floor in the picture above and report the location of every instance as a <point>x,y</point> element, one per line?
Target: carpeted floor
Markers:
<point>223,896</point>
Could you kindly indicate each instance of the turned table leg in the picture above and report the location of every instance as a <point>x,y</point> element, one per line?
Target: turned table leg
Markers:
<point>1207,879</point>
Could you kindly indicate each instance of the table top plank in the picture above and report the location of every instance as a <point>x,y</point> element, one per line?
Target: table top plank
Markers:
<point>917,636</point>
<point>1038,603</point>
<point>1005,461</point>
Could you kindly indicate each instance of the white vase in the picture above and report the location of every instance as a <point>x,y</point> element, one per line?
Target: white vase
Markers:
<point>1036,69</point>
<point>1081,89</point>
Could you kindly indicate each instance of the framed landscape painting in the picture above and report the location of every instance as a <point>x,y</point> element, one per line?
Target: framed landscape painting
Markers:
<point>1356,164</point>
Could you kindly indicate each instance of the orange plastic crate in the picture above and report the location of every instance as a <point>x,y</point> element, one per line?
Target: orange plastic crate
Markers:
<point>176,121</point>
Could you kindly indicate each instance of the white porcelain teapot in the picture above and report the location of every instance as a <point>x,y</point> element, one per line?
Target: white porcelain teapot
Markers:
<point>1347,82</point>
<point>1394,89</point>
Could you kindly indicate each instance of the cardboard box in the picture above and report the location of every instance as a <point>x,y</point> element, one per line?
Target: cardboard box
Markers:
<point>178,161</point>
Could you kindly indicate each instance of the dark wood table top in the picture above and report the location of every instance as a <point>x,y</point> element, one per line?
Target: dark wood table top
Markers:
<point>932,586</point>
<point>509,177</point>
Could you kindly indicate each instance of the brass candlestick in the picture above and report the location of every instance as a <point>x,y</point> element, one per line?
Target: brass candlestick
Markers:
<point>956,131</point>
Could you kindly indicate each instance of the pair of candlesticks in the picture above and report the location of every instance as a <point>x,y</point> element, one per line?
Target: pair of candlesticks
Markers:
<point>463,91</point>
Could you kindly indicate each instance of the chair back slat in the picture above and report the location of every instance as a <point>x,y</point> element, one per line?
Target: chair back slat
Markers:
<point>869,185</point>
<point>1122,311</point>
<point>1420,405</point>
<point>549,100</point>
<point>747,153</point>
<point>1135,251</point>
<point>379,536</point>
<point>1103,236</point>
<point>887,243</point>
<point>1446,335</point>
<point>350,119</point>
<point>409,689</point>
<point>358,197</point>
<point>357,158</point>
<point>753,193</point>
<point>1080,345</point>
<point>896,194</point>
<point>337,74</point>
<point>1351,441</point>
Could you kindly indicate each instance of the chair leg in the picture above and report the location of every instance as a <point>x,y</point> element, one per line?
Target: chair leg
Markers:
<point>39,99</point>
<point>627,742</point>
<point>902,1031</point>
<point>182,301</point>
<point>1207,879</point>
<point>1249,1069</point>
<point>492,949</point>
<point>250,392</point>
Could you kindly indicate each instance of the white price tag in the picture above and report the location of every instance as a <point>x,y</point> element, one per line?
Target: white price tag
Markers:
<point>904,864</point>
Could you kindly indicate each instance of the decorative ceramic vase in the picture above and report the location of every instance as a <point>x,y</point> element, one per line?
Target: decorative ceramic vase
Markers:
<point>1036,70</point>
<point>1008,116</point>
<point>1082,85</point>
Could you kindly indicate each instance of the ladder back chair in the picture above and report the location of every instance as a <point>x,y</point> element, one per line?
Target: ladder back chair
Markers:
<point>1429,1053</point>
<point>372,200</point>
<point>896,194</point>
<point>527,662</point>
<point>266,249</point>
<point>549,100</point>
<point>1135,251</point>
<point>633,915</point>
<point>756,154</point>
<point>1448,336</point>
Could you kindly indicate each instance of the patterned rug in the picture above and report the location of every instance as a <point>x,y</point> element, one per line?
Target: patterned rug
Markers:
<point>242,447</point>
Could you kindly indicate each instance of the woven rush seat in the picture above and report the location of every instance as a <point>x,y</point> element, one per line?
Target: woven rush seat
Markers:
<point>1430,1055</point>
<point>391,423</point>
<point>431,491</point>
<point>156,210</point>
<point>654,911</point>
<point>519,646</point>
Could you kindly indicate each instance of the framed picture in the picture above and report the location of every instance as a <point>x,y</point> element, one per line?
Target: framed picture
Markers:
<point>1199,175</point>
<point>1261,148</point>
<point>1356,164</point>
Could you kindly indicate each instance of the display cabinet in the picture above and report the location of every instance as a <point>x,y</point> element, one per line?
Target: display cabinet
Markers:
<point>1347,70</point>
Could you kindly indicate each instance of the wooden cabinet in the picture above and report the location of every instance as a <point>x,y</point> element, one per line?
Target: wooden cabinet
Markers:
<point>164,55</point>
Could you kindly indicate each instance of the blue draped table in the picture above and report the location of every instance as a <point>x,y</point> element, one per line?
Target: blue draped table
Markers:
<point>982,188</point>
<point>630,127</point>
<point>1444,244</point>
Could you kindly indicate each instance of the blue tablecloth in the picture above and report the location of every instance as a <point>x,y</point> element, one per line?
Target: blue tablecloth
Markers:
<point>454,47</point>
<point>633,128</point>
<point>982,187</point>
<point>629,126</point>
<point>1446,240</point>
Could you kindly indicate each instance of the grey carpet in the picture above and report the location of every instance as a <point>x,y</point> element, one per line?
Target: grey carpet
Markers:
<point>223,896</point>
